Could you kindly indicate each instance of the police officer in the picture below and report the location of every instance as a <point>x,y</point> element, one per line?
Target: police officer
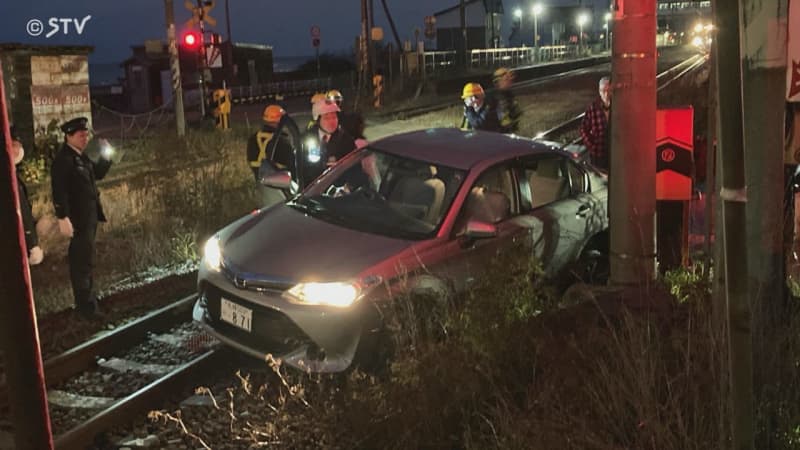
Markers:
<point>77,206</point>
<point>325,143</point>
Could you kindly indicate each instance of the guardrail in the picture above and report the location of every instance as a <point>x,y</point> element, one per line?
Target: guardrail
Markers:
<point>494,57</point>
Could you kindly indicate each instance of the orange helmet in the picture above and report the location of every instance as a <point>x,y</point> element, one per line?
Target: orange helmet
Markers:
<point>273,114</point>
<point>472,89</point>
<point>317,97</point>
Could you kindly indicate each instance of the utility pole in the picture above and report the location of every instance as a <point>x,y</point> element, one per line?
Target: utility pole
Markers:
<point>19,337</point>
<point>202,65</point>
<point>734,226</point>
<point>175,66</point>
<point>370,44</point>
<point>763,63</point>
<point>363,53</point>
<point>632,201</point>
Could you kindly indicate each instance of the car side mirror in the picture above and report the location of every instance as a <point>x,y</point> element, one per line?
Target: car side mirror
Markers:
<point>279,180</point>
<point>477,229</point>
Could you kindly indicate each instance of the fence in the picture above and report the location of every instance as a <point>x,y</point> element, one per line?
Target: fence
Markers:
<point>494,57</point>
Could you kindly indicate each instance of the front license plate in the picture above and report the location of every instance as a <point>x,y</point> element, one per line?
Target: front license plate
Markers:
<point>236,315</point>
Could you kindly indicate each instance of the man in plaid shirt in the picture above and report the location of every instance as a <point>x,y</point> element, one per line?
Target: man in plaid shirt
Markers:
<point>594,128</point>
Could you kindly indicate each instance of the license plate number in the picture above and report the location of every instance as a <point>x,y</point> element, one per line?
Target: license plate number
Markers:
<point>236,315</point>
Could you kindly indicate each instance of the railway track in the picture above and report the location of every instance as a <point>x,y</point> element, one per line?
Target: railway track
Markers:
<point>112,379</point>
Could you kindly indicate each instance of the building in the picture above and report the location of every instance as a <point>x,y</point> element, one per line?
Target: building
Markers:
<point>484,25</point>
<point>682,16</point>
<point>148,76</point>
<point>45,85</point>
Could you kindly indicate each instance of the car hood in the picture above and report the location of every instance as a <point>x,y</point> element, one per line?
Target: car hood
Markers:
<point>283,245</point>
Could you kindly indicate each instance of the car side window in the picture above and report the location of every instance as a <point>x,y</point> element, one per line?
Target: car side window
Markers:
<point>490,199</point>
<point>547,179</point>
<point>577,178</point>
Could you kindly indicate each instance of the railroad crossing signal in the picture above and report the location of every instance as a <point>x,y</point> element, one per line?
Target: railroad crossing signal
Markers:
<point>192,40</point>
<point>200,14</point>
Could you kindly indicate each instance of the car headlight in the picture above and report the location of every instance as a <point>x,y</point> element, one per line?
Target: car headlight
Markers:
<point>330,294</point>
<point>212,253</point>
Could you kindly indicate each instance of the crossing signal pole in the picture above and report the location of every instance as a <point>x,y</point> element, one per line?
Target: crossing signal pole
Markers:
<point>175,66</point>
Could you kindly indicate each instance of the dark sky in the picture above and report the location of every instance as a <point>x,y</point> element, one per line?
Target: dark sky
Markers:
<point>115,25</point>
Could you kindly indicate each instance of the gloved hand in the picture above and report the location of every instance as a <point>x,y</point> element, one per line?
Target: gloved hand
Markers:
<point>65,227</point>
<point>36,256</point>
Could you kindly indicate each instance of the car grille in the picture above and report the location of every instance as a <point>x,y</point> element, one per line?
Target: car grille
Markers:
<point>272,331</point>
<point>252,283</point>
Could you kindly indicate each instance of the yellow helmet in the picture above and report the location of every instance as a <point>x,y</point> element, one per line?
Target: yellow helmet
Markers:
<point>472,89</point>
<point>317,97</point>
<point>273,114</point>
<point>334,95</point>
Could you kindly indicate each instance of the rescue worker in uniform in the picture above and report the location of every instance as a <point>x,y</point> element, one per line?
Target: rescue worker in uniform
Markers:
<point>478,114</point>
<point>314,99</point>
<point>503,101</point>
<point>325,143</point>
<point>270,145</point>
<point>352,123</point>
<point>77,207</point>
<point>35,254</point>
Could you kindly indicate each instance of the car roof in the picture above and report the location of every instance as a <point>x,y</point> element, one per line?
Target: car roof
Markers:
<point>458,148</point>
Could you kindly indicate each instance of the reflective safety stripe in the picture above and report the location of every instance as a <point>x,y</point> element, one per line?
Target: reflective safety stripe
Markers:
<point>262,138</point>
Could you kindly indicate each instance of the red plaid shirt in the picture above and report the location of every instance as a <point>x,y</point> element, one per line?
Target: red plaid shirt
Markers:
<point>594,131</point>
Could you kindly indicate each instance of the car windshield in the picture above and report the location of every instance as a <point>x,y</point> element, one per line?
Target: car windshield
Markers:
<point>384,194</point>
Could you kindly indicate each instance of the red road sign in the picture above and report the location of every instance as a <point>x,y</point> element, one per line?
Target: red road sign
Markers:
<point>315,33</point>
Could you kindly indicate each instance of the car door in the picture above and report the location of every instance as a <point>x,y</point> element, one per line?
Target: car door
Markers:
<point>557,208</point>
<point>469,258</point>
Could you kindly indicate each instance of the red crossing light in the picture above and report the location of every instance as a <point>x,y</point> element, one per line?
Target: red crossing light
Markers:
<point>191,39</point>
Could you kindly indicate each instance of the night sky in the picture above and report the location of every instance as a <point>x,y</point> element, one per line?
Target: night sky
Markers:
<point>284,24</point>
<point>116,25</point>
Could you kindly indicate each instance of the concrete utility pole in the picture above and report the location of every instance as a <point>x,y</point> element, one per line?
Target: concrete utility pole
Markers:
<point>175,66</point>
<point>763,63</point>
<point>734,227</point>
<point>19,337</point>
<point>632,200</point>
<point>365,37</point>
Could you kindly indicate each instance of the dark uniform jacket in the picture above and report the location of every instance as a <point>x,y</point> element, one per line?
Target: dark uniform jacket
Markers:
<point>338,146</point>
<point>484,118</point>
<point>507,108</point>
<point>31,238</point>
<point>273,145</point>
<point>75,193</point>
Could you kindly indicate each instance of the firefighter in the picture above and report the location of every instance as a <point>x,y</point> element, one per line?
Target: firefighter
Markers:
<point>478,114</point>
<point>35,254</point>
<point>325,143</point>
<point>503,101</point>
<point>314,99</point>
<point>352,123</point>
<point>77,206</point>
<point>270,146</point>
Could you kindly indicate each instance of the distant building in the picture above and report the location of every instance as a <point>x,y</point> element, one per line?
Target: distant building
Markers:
<point>45,84</point>
<point>681,16</point>
<point>483,20</point>
<point>148,79</point>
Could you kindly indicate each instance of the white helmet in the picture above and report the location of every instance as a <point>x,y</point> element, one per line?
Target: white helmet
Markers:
<point>323,107</point>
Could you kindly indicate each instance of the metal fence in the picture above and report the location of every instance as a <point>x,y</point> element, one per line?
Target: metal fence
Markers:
<point>494,57</point>
<point>280,88</point>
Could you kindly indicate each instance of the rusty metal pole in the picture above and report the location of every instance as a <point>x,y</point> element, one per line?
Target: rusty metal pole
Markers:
<point>632,202</point>
<point>19,337</point>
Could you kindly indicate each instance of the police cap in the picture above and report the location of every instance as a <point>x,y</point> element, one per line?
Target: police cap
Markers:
<point>76,124</point>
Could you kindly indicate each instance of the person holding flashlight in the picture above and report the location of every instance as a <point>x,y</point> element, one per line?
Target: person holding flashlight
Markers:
<point>77,206</point>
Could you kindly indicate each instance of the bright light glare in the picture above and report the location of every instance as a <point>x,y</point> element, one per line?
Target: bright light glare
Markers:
<point>583,19</point>
<point>212,253</point>
<point>313,150</point>
<point>698,28</point>
<point>336,294</point>
<point>697,41</point>
<point>537,9</point>
<point>517,13</point>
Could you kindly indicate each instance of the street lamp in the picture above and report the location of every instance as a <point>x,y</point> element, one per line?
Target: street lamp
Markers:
<point>537,9</point>
<point>607,17</point>
<point>583,19</point>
